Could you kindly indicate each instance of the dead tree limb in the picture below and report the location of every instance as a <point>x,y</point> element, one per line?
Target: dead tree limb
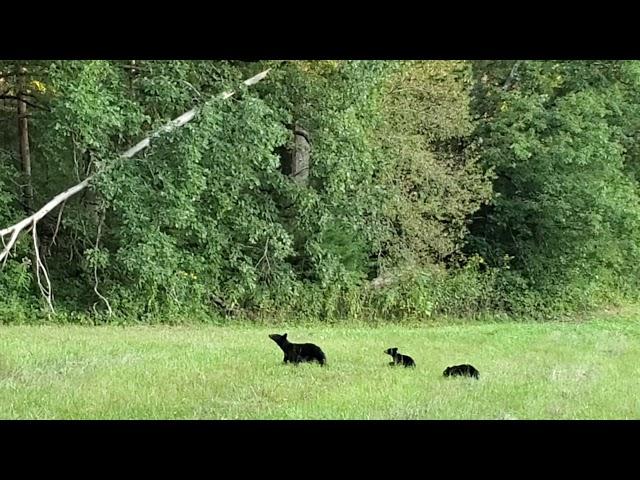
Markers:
<point>47,293</point>
<point>20,98</point>
<point>55,233</point>
<point>95,265</point>
<point>185,118</point>
<point>14,230</point>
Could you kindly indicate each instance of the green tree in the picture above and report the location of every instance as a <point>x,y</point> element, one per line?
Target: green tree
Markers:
<point>565,213</point>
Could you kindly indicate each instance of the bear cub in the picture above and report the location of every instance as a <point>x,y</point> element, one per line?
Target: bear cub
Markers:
<point>298,352</point>
<point>399,359</point>
<point>462,371</point>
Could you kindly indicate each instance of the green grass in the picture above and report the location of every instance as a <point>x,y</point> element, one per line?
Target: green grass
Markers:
<point>585,369</point>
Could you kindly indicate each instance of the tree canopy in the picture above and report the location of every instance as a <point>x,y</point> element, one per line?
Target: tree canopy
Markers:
<point>329,189</point>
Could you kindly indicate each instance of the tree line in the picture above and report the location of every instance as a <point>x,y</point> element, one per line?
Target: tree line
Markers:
<point>318,189</point>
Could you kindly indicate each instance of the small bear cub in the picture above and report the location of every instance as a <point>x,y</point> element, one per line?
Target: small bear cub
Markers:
<point>462,371</point>
<point>298,352</point>
<point>399,359</point>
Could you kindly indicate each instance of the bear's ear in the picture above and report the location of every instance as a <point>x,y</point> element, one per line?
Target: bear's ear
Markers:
<point>284,336</point>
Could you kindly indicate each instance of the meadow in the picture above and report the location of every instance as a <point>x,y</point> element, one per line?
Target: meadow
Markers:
<point>577,369</point>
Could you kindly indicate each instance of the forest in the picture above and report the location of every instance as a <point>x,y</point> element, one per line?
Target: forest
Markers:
<point>163,191</point>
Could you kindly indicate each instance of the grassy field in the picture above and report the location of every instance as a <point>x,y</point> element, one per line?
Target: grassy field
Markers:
<point>573,370</point>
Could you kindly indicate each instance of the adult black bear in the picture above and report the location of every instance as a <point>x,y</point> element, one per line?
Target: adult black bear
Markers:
<point>462,371</point>
<point>298,352</point>
<point>399,359</point>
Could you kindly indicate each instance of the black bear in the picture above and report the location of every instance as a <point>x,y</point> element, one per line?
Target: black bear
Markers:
<point>462,371</point>
<point>298,352</point>
<point>399,359</point>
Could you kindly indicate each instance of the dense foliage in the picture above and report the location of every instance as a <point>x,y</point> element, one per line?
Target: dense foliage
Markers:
<point>431,187</point>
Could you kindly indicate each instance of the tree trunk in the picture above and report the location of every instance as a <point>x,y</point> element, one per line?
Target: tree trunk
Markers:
<point>301,156</point>
<point>25,161</point>
<point>25,155</point>
<point>295,161</point>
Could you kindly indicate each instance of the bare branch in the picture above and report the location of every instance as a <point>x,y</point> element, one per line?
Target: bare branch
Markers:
<point>8,246</point>
<point>15,230</point>
<point>95,289</point>
<point>4,245</point>
<point>19,99</point>
<point>264,255</point>
<point>75,156</point>
<point>193,88</point>
<point>46,292</point>
<point>185,118</point>
<point>14,74</point>
<point>55,233</point>
<point>95,265</point>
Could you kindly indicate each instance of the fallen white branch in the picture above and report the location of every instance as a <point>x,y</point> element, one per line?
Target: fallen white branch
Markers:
<point>185,118</point>
<point>16,229</point>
